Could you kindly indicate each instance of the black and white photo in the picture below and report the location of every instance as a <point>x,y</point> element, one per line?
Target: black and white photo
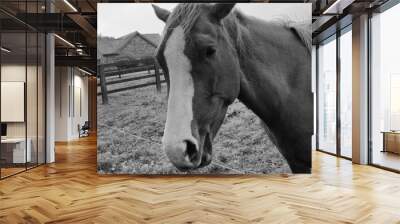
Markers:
<point>210,88</point>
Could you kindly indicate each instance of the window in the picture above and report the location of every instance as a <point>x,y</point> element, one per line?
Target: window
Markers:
<point>22,101</point>
<point>385,89</point>
<point>346,93</point>
<point>327,96</point>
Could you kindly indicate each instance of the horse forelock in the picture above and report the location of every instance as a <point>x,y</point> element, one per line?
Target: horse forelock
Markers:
<point>183,15</point>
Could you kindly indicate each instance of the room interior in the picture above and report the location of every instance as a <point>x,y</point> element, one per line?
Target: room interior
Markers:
<point>335,68</point>
<point>70,111</point>
<point>22,101</point>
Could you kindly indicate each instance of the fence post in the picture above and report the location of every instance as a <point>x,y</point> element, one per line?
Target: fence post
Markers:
<point>104,94</point>
<point>157,73</point>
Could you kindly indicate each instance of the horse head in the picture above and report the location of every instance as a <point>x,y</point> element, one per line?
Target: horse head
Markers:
<point>204,75</point>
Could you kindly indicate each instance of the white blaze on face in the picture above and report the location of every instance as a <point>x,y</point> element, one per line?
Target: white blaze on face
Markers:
<point>180,113</point>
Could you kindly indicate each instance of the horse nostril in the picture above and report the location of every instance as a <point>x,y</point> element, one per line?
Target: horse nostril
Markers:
<point>191,151</point>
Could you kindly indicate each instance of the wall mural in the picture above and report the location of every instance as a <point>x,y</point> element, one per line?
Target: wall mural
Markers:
<point>204,88</point>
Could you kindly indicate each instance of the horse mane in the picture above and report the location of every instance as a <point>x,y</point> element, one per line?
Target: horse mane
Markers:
<point>238,32</point>
<point>186,15</point>
<point>302,30</point>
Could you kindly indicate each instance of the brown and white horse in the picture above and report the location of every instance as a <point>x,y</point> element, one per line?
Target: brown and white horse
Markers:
<point>213,54</point>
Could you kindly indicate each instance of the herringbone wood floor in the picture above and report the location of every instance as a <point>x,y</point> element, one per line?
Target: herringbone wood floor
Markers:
<point>70,191</point>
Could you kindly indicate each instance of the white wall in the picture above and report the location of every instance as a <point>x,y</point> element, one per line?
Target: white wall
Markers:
<point>62,81</point>
<point>13,72</point>
<point>80,84</point>
<point>70,83</point>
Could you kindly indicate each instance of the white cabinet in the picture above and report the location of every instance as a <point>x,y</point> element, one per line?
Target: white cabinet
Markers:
<point>18,149</point>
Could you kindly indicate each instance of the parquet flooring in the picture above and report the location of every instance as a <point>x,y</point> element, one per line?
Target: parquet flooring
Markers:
<point>10,171</point>
<point>70,191</point>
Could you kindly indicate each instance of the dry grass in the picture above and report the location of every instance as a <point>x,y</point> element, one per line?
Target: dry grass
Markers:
<point>131,126</point>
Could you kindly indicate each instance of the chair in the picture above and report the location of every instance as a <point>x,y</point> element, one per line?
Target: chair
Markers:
<point>84,130</point>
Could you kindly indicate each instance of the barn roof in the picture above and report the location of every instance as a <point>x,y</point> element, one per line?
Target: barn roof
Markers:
<point>114,46</point>
<point>151,38</point>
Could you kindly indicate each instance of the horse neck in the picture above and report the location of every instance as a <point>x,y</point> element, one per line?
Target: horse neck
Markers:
<point>265,81</point>
<point>273,83</point>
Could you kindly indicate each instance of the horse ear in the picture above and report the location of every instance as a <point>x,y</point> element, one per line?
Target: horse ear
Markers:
<point>161,13</point>
<point>220,10</point>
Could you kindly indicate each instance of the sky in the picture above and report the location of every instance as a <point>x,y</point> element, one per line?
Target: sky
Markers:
<point>118,19</point>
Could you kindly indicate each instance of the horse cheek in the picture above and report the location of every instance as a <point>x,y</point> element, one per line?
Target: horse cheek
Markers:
<point>219,119</point>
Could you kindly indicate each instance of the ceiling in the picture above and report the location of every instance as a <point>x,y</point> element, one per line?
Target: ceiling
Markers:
<point>74,22</point>
<point>332,15</point>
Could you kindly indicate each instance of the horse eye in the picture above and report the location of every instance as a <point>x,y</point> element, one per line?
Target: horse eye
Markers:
<point>210,51</point>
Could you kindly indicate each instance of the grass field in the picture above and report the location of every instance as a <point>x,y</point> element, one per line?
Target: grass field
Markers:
<point>130,128</point>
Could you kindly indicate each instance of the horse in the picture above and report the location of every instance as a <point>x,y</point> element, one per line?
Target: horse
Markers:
<point>213,54</point>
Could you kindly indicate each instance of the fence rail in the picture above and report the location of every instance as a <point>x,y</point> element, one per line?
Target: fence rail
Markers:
<point>106,71</point>
<point>128,79</point>
<point>132,87</point>
<point>128,70</point>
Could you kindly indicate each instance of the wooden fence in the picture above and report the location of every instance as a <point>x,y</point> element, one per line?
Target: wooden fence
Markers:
<point>105,71</point>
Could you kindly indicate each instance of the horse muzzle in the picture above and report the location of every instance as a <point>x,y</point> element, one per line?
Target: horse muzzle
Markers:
<point>186,155</point>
